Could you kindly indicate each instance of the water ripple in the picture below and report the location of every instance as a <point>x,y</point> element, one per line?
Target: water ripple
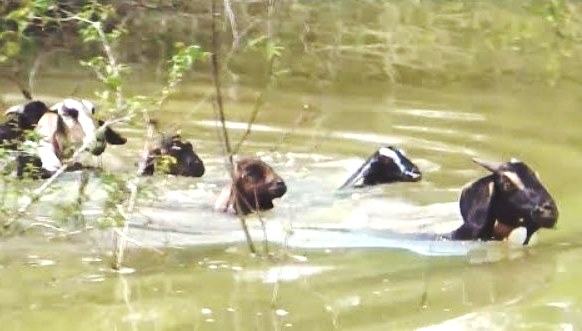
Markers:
<point>440,114</point>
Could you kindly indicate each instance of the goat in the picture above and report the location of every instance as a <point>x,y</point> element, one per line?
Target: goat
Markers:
<point>387,165</point>
<point>511,196</point>
<point>68,125</point>
<point>21,118</point>
<point>255,186</point>
<point>173,156</point>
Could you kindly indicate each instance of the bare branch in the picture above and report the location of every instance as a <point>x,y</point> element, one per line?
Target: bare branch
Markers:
<point>233,25</point>
<point>220,109</point>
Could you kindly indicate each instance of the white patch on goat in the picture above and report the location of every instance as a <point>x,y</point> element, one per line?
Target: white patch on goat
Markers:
<point>49,145</point>
<point>397,160</point>
<point>401,151</point>
<point>517,236</point>
<point>88,105</point>
<point>80,104</point>
<point>414,175</point>
<point>360,179</point>
<point>85,109</point>
<point>77,130</point>
<point>18,109</point>
<point>387,152</point>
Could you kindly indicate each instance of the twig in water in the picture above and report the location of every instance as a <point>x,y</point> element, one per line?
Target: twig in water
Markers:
<point>257,107</point>
<point>220,109</point>
<point>120,237</point>
<point>259,103</point>
<point>263,226</point>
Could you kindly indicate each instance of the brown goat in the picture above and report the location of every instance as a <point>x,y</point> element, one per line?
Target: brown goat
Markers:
<point>255,186</point>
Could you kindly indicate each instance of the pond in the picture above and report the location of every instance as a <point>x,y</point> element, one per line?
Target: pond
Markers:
<point>364,259</point>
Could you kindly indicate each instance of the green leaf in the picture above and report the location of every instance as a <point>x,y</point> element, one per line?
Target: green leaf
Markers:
<point>259,40</point>
<point>273,50</point>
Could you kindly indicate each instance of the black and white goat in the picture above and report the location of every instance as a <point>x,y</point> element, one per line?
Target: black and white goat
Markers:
<point>66,127</point>
<point>387,165</point>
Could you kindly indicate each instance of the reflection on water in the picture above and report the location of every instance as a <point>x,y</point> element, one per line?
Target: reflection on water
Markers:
<point>220,287</point>
<point>365,259</point>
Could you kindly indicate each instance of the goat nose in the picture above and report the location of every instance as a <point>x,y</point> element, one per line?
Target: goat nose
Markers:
<point>546,209</point>
<point>280,187</point>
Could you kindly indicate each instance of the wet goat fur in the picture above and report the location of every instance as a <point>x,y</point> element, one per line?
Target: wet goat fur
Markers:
<point>255,186</point>
<point>511,196</point>
<point>173,156</point>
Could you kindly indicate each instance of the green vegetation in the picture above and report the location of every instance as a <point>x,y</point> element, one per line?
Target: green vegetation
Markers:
<point>410,42</point>
<point>90,24</point>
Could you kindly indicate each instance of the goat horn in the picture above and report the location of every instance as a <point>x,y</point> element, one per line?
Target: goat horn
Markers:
<point>489,165</point>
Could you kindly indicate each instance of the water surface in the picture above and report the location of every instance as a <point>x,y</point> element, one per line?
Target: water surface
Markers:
<point>357,260</point>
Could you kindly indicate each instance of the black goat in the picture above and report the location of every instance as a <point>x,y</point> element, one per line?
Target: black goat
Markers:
<point>511,196</point>
<point>20,118</point>
<point>173,156</point>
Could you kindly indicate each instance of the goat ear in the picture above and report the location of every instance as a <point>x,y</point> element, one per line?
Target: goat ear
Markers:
<point>18,109</point>
<point>357,178</point>
<point>56,107</point>
<point>112,137</point>
<point>475,203</point>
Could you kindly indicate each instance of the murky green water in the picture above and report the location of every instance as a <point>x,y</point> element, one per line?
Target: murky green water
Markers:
<point>360,260</point>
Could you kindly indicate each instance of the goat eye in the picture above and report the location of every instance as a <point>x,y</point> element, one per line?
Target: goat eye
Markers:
<point>507,185</point>
<point>253,173</point>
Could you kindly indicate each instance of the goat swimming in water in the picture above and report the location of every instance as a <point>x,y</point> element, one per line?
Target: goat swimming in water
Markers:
<point>21,118</point>
<point>386,165</point>
<point>173,156</point>
<point>64,126</point>
<point>255,186</point>
<point>511,196</point>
